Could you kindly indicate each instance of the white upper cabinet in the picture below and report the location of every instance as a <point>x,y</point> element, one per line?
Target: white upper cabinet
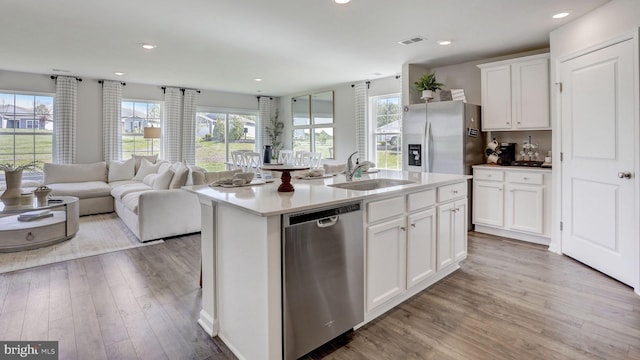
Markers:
<point>515,94</point>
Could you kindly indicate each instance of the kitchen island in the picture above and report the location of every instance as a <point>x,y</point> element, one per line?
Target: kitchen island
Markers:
<point>414,235</point>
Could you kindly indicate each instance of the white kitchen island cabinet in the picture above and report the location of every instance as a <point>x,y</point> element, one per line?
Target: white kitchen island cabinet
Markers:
<point>242,245</point>
<point>515,94</point>
<point>512,201</point>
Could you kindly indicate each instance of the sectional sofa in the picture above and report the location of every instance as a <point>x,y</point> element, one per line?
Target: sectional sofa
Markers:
<point>144,193</point>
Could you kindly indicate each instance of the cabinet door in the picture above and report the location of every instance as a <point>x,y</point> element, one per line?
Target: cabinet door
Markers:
<point>460,230</point>
<point>385,261</point>
<point>496,98</point>
<point>421,246</point>
<point>525,208</point>
<point>488,203</point>
<point>444,253</point>
<point>530,93</point>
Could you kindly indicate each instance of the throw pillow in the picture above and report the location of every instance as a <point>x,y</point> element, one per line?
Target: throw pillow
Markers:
<point>138,159</point>
<point>149,179</point>
<point>198,177</point>
<point>180,176</point>
<point>121,170</point>
<point>163,180</point>
<point>146,168</point>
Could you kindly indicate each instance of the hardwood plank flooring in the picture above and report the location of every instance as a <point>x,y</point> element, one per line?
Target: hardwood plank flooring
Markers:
<point>509,300</point>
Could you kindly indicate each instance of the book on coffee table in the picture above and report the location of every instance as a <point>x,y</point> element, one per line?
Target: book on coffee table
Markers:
<point>35,215</point>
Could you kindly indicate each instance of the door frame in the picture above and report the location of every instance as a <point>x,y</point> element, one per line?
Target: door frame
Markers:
<point>556,236</point>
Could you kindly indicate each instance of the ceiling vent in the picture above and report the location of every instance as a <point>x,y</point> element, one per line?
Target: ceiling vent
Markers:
<point>411,41</point>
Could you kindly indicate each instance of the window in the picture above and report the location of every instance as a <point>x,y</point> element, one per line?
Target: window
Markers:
<point>26,129</point>
<point>386,125</point>
<point>218,133</point>
<point>313,123</point>
<point>136,115</point>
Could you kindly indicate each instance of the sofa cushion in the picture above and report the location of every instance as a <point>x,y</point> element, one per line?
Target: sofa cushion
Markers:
<point>82,190</point>
<point>121,191</point>
<point>138,160</point>
<point>197,177</point>
<point>146,168</point>
<point>149,179</point>
<point>121,170</point>
<point>180,177</point>
<point>163,180</point>
<point>115,184</point>
<point>74,173</point>
<point>130,201</point>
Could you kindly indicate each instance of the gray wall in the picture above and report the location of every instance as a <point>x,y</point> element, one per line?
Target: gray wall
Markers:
<point>89,104</point>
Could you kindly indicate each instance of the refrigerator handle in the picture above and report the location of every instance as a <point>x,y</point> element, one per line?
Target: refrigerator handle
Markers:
<point>427,150</point>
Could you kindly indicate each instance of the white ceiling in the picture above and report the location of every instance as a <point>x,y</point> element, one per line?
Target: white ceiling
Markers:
<point>294,45</point>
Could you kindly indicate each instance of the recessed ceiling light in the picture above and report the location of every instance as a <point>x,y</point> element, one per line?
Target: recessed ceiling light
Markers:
<point>561,15</point>
<point>444,42</point>
<point>341,1</point>
<point>148,46</point>
<point>258,79</point>
<point>259,91</point>
<point>118,73</point>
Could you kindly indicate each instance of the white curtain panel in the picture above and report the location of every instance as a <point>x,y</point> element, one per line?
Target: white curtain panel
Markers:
<point>64,123</point>
<point>189,126</point>
<point>361,93</point>
<point>264,117</point>
<point>111,117</point>
<point>171,125</point>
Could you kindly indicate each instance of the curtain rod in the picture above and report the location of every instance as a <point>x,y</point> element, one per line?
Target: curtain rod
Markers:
<point>164,88</point>
<point>270,98</point>
<point>121,83</point>
<point>366,82</point>
<point>53,77</point>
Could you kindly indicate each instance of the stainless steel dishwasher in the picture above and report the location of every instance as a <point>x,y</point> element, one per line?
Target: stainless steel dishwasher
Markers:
<point>322,276</point>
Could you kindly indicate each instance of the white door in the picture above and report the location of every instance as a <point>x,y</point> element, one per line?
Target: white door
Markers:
<point>496,97</point>
<point>488,204</point>
<point>598,170</point>
<point>525,208</point>
<point>460,222</point>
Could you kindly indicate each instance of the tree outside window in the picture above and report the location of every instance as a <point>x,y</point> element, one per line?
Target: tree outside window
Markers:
<point>386,125</point>
<point>136,115</point>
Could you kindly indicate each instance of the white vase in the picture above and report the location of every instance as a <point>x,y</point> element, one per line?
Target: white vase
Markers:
<point>427,94</point>
<point>11,196</point>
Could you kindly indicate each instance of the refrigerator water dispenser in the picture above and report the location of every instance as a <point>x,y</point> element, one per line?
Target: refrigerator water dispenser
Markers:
<point>415,151</point>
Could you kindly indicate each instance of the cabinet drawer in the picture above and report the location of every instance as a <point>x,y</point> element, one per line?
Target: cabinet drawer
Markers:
<point>453,191</point>
<point>489,175</point>
<point>421,200</point>
<point>26,237</point>
<point>382,209</point>
<point>522,177</point>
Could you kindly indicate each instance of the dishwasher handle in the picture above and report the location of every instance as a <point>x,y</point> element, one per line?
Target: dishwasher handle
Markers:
<point>327,222</point>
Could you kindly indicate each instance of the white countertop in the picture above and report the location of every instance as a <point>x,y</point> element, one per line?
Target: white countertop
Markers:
<point>265,200</point>
<point>515,168</point>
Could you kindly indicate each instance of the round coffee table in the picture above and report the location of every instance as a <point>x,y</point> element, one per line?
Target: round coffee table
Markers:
<point>285,186</point>
<point>61,225</point>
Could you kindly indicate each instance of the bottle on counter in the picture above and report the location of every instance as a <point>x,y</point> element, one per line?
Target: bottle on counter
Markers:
<point>358,173</point>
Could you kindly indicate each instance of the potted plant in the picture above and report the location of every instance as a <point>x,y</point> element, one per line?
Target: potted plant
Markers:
<point>274,130</point>
<point>428,84</point>
<point>13,178</point>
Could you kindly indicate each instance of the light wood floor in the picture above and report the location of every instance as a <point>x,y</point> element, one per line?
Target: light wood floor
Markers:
<point>510,300</point>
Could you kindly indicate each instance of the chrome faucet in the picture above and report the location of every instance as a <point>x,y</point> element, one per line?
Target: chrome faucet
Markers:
<point>350,169</point>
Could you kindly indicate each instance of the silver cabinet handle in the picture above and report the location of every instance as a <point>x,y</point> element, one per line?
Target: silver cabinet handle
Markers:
<point>525,178</point>
<point>455,191</point>
<point>624,175</point>
<point>29,236</point>
<point>403,228</point>
<point>413,225</point>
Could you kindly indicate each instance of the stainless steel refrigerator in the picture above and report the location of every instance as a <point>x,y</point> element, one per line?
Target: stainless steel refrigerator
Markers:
<point>443,137</point>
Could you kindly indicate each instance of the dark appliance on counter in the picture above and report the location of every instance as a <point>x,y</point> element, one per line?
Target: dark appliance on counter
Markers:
<point>507,153</point>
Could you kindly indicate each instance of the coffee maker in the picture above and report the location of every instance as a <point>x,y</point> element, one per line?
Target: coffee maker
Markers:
<point>507,153</point>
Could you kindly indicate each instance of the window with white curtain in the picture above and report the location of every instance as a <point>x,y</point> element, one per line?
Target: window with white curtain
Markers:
<point>136,115</point>
<point>385,115</point>
<point>221,131</point>
<point>26,129</point>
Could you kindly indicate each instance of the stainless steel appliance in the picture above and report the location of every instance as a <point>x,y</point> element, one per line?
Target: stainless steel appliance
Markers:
<point>322,276</point>
<point>443,137</point>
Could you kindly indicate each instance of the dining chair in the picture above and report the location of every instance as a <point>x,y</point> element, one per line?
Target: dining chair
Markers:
<point>315,158</point>
<point>237,160</point>
<point>285,157</point>
<point>302,158</point>
<point>253,162</point>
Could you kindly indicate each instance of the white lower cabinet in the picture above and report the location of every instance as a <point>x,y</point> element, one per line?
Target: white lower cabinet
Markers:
<point>512,202</point>
<point>385,261</point>
<point>452,233</point>
<point>403,243</point>
<point>421,246</point>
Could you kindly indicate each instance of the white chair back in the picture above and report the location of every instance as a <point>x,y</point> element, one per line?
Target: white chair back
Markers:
<point>302,158</point>
<point>237,160</point>
<point>315,158</point>
<point>253,163</point>
<point>285,157</point>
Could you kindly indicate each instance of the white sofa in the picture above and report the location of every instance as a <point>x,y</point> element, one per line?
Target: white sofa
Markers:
<point>150,203</point>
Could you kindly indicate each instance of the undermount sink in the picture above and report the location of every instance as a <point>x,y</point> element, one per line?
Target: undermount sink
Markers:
<point>373,184</point>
